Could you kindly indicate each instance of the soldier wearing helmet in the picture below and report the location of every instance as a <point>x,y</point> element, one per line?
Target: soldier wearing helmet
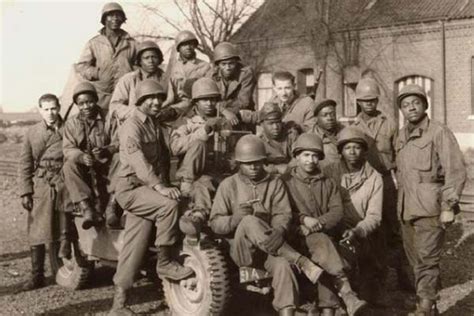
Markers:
<point>382,132</point>
<point>109,55</point>
<point>318,205</point>
<point>362,194</point>
<point>298,109</point>
<point>187,69</point>
<point>253,207</point>
<point>149,59</point>
<point>144,191</point>
<point>200,171</point>
<point>236,82</point>
<point>89,163</point>
<point>327,128</point>
<point>431,175</point>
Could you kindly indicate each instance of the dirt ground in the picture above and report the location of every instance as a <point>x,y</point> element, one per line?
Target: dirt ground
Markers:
<point>457,266</point>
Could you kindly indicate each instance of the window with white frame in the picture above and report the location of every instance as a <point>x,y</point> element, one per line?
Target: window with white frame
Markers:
<point>305,81</point>
<point>264,88</point>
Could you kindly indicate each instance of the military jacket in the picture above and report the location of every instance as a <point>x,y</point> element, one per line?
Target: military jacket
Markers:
<point>331,153</point>
<point>300,111</point>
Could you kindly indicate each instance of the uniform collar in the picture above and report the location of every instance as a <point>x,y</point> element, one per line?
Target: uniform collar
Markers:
<point>123,34</point>
<point>366,118</point>
<point>302,175</point>
<point>141,116</point>
<point>353,181</point>
<point>56,126</point>
<point>419,128</point>
<point>246,180</point>
<point>325,133</point>
<point>144,75</point>
<point>191,61</point>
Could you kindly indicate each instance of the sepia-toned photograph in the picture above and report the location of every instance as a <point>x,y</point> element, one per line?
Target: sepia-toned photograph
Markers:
<point>237,157</point>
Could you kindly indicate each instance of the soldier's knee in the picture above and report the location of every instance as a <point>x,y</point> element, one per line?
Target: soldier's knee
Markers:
<point>251,222</point>
<point>281,266</point>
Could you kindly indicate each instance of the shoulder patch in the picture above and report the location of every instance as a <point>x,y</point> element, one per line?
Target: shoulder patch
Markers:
<point>132,145</point>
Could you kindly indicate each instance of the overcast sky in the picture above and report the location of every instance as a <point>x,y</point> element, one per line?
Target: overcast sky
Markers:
<point>40,40</point>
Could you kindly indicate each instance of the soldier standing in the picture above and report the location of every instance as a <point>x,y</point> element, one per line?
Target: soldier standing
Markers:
<point>144,191</point>
<point>187,69</point>
<point>382,132</point>
<point>90,163</point>
<point>42,189</point>
<point>319,210</point>
<point>253,207</point>
<point>327,128</point>
<point>431,175</point>
<point>297,109</point>
<point>109,55</point>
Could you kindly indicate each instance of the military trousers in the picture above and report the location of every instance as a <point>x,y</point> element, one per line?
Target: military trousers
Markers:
<point>136,238</point>
<point>250,233</point>
<point>423,240</point>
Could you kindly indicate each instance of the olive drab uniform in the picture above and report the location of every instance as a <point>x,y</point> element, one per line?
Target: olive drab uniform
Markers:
<point>144,162</point>
<point>246,235</point>
<point>41,162</point>
<point>331,153</point>
<point>279,150</point>
<point>300,111</point>
<point>76,142</point>
<point>431,175</point>
<point>103,63</point>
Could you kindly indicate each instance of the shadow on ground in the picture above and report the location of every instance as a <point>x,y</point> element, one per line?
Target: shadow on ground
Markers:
<point>13,256</point>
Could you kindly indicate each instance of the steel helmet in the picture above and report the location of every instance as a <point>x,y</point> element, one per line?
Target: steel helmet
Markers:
<point>225,50</point>
<point>250,148</point>
<point>185,36</point>
<point>308,141</point>
<point>351,134</point>
<point>204,88</point>
<point>412,89</point>
<point>110,7</point>
<point>148,45</point>
<point>84,87</point>
<point>147,88</point>
<point>269,110</point>
<point>367,89</point>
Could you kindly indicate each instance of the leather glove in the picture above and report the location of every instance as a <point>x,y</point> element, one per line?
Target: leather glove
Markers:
<point>273,241</point>
<point>167,114</point>
<point>243,210</point>
<point>27,202</point>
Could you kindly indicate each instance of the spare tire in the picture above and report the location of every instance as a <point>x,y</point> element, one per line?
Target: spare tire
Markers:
<point>75,273</point>
<point>208,291</point>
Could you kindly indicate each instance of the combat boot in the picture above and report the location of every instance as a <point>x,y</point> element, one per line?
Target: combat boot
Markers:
<point>308,267</point>
<point>167,268</point>
<point>113,213</point>
<point>37,269</point>
<point>119,306</point>
<point>286,311</point>
<point>89,215</point>
<point>354,305</point>
<point>404,279</point>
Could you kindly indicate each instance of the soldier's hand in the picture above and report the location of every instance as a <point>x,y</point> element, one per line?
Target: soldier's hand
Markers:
<point>273,241</point>
<point>313,224</point>
<point>87,160</point>
<point>171,192</point>
<point>99,153</point>
<point>446,218</point>
<point>27,202</point>
<point>213,124</point>
<point>231,117</point>
<point>348,235</point>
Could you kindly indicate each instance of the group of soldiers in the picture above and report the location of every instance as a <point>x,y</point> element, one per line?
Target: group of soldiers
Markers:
<point>304,194</point>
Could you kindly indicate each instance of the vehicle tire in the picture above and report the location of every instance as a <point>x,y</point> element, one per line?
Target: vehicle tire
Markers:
<point>208,291</point>
<point>75,273</point>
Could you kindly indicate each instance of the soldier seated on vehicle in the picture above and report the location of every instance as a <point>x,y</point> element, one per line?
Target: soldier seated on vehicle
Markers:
<point>201,168</point>
<point>90,163</point>
<point>252,208</point>
<point>42,190</point>
<point>318,205</point>
<point>362,192</point>
<point>144,191</point>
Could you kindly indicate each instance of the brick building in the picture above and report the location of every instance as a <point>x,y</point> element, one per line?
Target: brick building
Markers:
<point>429,42</point>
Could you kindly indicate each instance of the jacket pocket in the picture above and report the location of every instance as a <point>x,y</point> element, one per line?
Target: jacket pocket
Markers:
<point>421,155</point>
<point>429,198</point>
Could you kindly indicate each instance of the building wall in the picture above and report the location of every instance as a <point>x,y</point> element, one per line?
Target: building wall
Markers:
<point>390,54</point>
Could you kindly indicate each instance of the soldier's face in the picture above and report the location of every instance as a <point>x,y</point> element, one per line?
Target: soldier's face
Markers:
<point>326,118</point>
<point>353,153</point>
<point>228,67</point>
<point>207,106</point>
<point>308,161</point>
<point>369,107</point>
<point>272,127</point>
<point>114,20</point>
<point>284,90</point>
<point>149,61</point>
<point>187,49</point>
<point>253,170</point>
<point>86,103</point>
<point>413,108</point>
<point>151,106</point>
<point>49,111</point>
